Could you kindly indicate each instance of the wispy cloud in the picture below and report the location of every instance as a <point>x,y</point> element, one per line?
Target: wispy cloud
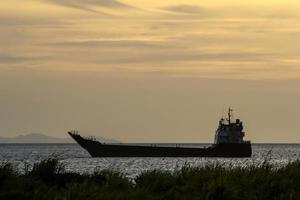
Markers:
<point>176,57</point>
<point>91,5</point>
<point>112,43</point>
<point>185,8</point>
<point>159,35</point>
<point>13,21</point>
<point>13,59</point>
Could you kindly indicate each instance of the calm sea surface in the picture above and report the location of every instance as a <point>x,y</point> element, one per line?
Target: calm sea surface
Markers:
<point>77,159</point>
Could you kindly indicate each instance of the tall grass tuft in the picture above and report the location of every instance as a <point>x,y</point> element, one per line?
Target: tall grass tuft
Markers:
<point>6,172</point>
<point>47,170</point>
<point>111,179</point>
<point>49,180</point>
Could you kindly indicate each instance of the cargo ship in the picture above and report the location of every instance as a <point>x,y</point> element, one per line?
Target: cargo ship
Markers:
<point>228,142</point>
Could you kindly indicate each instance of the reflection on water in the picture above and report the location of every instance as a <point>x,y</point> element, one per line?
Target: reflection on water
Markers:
<point>78,160</point>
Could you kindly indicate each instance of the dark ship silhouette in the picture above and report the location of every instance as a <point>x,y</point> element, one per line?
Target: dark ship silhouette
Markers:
<point>228,143</point>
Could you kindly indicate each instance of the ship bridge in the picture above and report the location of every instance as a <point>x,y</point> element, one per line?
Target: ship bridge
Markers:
<point>229,132</point>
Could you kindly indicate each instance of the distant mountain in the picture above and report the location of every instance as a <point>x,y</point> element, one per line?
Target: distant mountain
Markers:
<point>41,138</point>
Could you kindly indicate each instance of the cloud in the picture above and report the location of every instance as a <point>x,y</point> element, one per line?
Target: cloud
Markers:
<point>12,21</point>
<point>13,59</point>
<point>91,5</point>
<point>160,57</point>
<point>184,8</point>
<point>112,43</point>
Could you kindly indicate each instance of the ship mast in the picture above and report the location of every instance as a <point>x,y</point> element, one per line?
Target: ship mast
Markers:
<point>229,115</point>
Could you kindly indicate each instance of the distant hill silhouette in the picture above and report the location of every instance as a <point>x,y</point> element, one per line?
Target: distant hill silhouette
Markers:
<point>41,138</point>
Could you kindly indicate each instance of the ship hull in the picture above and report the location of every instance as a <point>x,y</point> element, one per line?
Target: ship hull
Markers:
<point>97,149</point>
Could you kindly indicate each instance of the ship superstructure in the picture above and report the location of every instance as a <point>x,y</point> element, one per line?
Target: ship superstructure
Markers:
<point>228,131</point>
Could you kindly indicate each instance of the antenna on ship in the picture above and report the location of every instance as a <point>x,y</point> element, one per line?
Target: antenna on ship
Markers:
<point>229,115</point>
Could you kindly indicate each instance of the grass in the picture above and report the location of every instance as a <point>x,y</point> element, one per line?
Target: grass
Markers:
<point>49,180</point>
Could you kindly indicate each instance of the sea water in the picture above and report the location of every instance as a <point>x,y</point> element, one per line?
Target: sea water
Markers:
<point>76,159</point>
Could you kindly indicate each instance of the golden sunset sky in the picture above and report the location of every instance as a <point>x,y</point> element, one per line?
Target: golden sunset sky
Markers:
<point>148,70</point>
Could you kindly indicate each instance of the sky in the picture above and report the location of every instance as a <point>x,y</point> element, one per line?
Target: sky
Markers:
<point>150,71</point>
